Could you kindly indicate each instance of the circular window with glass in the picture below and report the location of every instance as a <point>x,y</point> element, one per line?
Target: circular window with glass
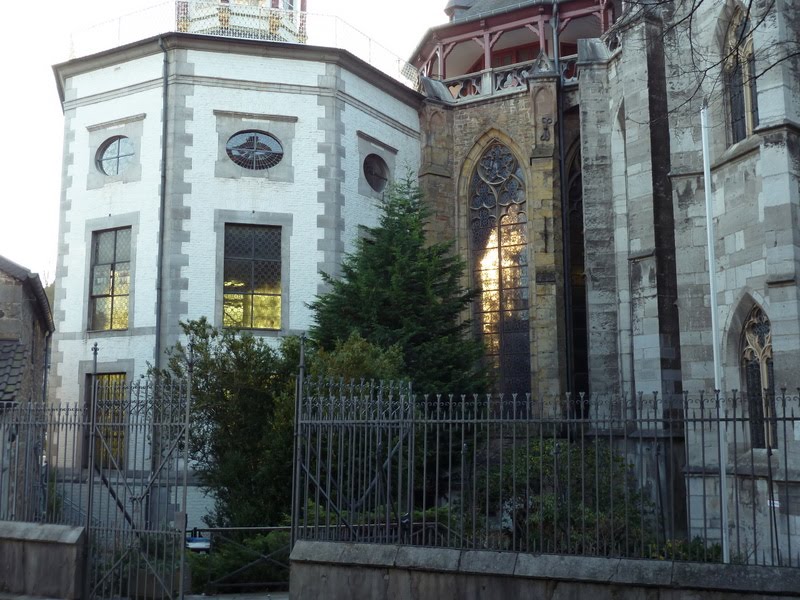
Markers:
<point>376,172</point>
<point>115,155</point>
<point>254,150</point>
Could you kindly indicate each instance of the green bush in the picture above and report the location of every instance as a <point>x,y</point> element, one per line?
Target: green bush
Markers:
<point>235,563</point>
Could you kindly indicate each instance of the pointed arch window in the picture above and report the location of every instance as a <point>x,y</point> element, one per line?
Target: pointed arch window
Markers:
<point>740,78</point>
<point>758,380</point>
<point>499,263</point>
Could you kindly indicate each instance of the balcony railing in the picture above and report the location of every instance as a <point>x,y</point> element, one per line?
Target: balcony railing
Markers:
<point>243,21</point>
<point>494,82</point>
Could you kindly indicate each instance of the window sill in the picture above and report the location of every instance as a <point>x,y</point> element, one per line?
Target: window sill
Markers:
<point>106,332</point>
<point>741,148</point>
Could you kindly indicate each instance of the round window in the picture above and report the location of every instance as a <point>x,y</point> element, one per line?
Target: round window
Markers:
<point>115,155</point>
<point>376,172</point>
<point>254,150</point>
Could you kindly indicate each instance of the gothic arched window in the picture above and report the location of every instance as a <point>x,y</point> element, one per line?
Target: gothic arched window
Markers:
<point>499,262</point>
<point>740,78</point>
<point>757,375</point>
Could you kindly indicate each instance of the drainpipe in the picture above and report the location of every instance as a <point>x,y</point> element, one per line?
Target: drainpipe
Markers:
<point>162,204</point>
<point>564,206</point>
<point>47,340</point>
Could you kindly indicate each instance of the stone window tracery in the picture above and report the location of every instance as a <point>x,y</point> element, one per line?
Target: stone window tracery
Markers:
<point>757,375</point>
<point>499,261</point>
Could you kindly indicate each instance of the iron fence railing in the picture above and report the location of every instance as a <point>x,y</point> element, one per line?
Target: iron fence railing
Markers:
<point>241,20</point>
<point>239,559</point>
<point>115,464</point>
<point>593,475</point>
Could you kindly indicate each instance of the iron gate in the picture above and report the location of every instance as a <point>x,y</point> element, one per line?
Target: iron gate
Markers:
<point>137,466</point>
<point>117,464</point>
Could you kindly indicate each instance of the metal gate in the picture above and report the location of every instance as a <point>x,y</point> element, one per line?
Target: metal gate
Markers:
<point>137,467</point>
<point>115,463</point>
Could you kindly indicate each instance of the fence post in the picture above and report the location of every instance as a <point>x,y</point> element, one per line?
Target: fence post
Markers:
<point>90,476</point>
<point>186,422</point>
<point>301,374</point>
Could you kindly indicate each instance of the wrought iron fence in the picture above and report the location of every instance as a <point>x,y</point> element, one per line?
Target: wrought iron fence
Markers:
<point>239,559</point>
<point>590,475</point>
<point>116,464</point>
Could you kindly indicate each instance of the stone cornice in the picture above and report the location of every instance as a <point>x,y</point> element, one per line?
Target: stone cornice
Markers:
<point>283,50</point>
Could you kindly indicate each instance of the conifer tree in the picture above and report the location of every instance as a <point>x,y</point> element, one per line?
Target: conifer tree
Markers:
<point>397,289</point>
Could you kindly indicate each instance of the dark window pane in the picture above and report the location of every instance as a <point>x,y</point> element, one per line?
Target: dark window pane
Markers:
<point>751,79</point>
<point>238,276</point>
<point>736,96</point>
<point>238,242</point>
<point>267,242</point>
<point>266,277</point>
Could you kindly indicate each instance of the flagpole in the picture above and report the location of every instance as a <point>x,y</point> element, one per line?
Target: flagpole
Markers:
<point>715,335</point>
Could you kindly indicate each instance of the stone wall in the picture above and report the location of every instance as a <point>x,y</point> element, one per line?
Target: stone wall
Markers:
<point>344,571</point>
<point>41,560</point>
<point>453,140</point>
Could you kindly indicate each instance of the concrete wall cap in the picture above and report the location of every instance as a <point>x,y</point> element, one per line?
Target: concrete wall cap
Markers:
<point>39,532</point>
<point>592,51</point>
<point>486,561</point>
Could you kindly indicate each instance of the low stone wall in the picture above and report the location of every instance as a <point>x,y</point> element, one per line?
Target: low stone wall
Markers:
<point>41,560</point>
<point>340,571</point>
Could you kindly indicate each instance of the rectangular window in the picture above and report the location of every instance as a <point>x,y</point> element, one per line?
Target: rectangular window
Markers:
<point>252,277</point>
<point>110,283</point>
<point>110,420</point>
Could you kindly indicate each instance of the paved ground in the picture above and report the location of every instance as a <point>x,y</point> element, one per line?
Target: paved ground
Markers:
<point>259,596</point>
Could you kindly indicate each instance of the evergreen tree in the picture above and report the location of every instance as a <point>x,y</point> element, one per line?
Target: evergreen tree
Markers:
<point>397,289</point>
<point>241,434</point>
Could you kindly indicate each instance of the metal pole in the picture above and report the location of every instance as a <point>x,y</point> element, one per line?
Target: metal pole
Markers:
<point>297,453</point>
<point>722,436</point>
<point>184,500</point>
<point>90,476</point>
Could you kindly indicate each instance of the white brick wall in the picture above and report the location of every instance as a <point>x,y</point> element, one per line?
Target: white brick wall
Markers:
<point>220,83</point>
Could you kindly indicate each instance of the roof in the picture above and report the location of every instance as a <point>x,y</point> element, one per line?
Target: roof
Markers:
<point>486,7</point>
<point>198,42</point>
<point>13,360</point>
<point>35,284</point>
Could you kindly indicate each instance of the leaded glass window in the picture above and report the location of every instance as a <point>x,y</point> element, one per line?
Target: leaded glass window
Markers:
<point>110,279</point>
<point>115,155</point>
<point>252,277</point>
<point>740,79</point>
<point>757,373</point>
<point>499,253</point>
<point>254,150</point>
<point>109,450</point>
<point>376,172</point>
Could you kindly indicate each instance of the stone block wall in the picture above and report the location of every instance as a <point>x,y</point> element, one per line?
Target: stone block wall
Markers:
<point>344,571</point>
<point>453,140</point>
<point>41,560</point>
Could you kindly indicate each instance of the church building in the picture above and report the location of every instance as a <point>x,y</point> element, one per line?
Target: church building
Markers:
<point>217,169</point>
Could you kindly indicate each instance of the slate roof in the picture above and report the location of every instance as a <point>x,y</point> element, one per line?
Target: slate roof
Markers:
<point>13,361</point>
<point>31,279</point>
<point>486,7</point>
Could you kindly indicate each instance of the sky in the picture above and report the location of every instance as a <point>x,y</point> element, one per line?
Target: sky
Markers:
<point>30,157</point>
